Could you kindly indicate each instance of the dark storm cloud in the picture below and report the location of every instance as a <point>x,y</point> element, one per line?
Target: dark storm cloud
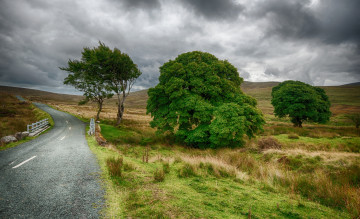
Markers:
<point>330,21</point>
<point>340,20</point>
<point>215,9</point>
<point>145,4</point>
<point>288,18</point>
<point>315,41</point>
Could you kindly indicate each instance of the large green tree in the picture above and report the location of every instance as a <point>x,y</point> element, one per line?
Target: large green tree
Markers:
<point>301,102</point>
<point>199,99</point>
<point>87,76</point>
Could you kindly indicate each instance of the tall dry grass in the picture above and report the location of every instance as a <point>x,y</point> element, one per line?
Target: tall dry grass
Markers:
<point>320,185</point>
<point>14,115</point>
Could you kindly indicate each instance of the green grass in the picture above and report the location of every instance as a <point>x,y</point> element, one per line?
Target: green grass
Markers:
<point>201,194</point>
<point>347,144</point>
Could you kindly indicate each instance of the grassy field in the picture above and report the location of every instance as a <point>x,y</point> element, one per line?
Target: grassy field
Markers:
<point>15,115</point>
<point>286,172</point>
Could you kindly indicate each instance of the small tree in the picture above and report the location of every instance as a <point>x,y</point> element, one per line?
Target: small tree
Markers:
<point>301,102</point>
<point>120,75</point>
<point>199,99</point>
<point>87,76</point>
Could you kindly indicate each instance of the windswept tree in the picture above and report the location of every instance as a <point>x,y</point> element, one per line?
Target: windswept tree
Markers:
<point>101,72</point>
<point>199,100</point>
<point>121,74</point>
<point>88,76</point>
<point>301,102</point>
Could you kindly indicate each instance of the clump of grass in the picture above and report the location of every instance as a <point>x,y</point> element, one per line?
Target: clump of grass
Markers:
<point>293,136</point>
<point>166,167</point>
<point>114,165</point>
<point>187,170</point>
<point>159,175</point>
<point>128,167</point>
<point>268,143</point>
<point>217,171</point>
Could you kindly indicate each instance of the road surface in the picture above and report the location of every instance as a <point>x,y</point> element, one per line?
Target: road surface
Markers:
<point>52,176</point>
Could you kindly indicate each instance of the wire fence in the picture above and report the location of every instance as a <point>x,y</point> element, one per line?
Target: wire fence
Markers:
<point>37,125</point>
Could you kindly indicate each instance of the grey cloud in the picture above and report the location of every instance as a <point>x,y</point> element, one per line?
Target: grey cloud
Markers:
<point>265,40</point>
<point>287,18</point>
<point>215,9</point>
<point>329,21</point>
<point>272,71</point>
<point>145,4</point>
<point>244,74</point>
<point>339,20</point>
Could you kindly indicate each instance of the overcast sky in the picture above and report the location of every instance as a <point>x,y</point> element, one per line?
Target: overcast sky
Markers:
<point>317,41</point>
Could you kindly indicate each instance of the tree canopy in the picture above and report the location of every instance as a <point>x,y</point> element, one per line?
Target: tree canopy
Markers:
<point>199,100</point>
<point>121,74</point>
<point>102,71</point>
<point>301,102</point>
<point>87,76</point>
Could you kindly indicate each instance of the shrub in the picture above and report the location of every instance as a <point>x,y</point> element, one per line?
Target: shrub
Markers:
<point>269,143</point>
<point>187,170</point>
<point>114,165</point>
<point>159,175</point>
<point>293,136</point>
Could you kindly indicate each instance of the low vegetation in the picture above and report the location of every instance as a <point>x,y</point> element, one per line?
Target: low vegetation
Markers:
<point>15,115</point>
<point>220,183</point>
<point>286,172</point>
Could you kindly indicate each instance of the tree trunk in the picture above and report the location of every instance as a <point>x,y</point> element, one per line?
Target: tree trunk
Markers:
<point>121,107</point>
<point>100,103</point>
<point>297,122</point>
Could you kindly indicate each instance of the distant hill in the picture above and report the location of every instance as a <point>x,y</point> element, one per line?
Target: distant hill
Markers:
<point>344,99</point>
<point>38,95</point>
<point>251,85</point>
<point>352,84</point>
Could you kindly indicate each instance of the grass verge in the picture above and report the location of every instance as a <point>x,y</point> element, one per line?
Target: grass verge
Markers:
<point>180,182</point>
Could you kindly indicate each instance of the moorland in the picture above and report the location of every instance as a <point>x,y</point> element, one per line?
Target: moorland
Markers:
<point>286,172</point>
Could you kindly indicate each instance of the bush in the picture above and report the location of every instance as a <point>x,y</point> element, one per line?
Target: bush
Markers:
<point>268,143</point>
<point>114,166</point>
<point>293,136</point>
<point>159,175</point>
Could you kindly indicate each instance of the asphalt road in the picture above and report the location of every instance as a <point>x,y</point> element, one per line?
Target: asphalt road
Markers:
<point>52,176</point>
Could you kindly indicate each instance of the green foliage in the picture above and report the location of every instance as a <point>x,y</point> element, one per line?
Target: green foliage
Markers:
<point>199,99</point>
<point>100,72</point>
<point>88,76</point>
<point>301,102</point>
<point>121,74</point>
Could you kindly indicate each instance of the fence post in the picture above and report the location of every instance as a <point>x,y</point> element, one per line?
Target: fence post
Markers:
<point>92,127</point>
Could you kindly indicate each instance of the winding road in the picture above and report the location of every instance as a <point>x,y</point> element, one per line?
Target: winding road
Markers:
<point>52,176</point>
